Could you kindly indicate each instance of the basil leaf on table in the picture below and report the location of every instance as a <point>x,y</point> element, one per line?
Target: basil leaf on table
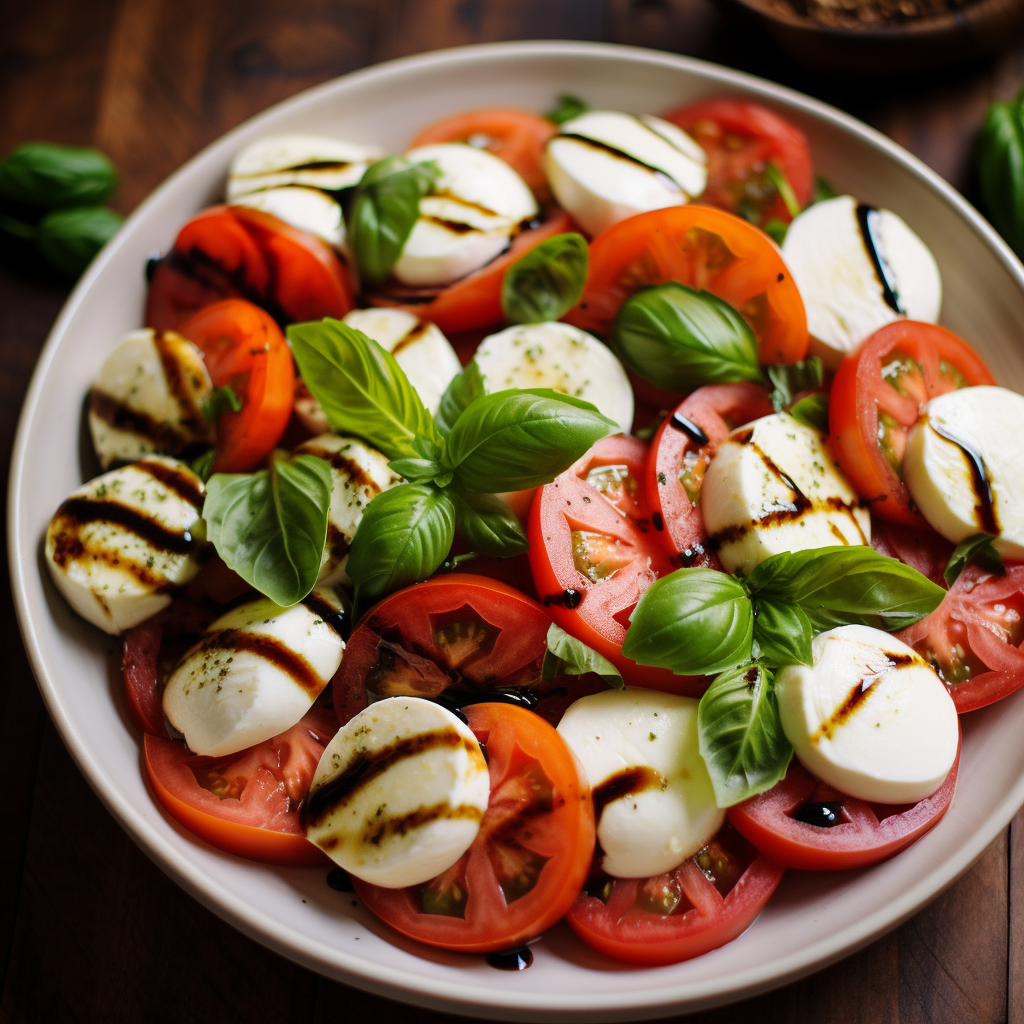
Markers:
<point>70,238</point>
<point>836,586</point>
<point>999,159</point>
<point>512,440</point>
<point>812,411</point>
<point>693,621</point>
<point>680,338</point>
<point>545,283</point>
<point>978,550</point>
<point>740,734</point>
<point>567,656</point>
<point>50,176</point>
<point>782,634</point>
<point>383,210</point>
<point>489,526</point>
<point>566,109</point>
<point>362,389</point>
<point>789,378</point>
<point>404,535</point>
<point>464,389</point>
<point>270,527</point>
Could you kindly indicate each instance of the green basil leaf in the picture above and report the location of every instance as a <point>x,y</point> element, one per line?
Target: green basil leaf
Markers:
<point>545,283</point>
<point>978,550</point>
<point>524,437</point>
<point>788,379</point>
<point>362,389</point>
<point>50,176</point>
<point>778,178</point>
<point>740,734</point>
<point>566,109</point>
<point>782,634</point>
<point>999,159</point>
<point>463,390</point>
<point>71,237</point>
<point>382,212</point>
<point>693,621</point>
<point>202,465</point>
<point>414,470</point>
<point>680,338</point>
<point>567,656</point>
<point>404,535</point>
<point>812,411</point>
<point>270,526</point>
<point>837,586</point>
<point>220,401</point>
<point>822,190</point>
<point>776,230</point>
<point>489,526</point>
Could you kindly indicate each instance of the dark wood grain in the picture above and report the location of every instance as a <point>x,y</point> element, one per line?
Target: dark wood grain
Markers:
<point>89,928</point>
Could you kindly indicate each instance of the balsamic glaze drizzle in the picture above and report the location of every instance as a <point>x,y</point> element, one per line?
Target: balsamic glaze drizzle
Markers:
<point>517,959</point>
<point>889,294</point>
<point>692,430</point>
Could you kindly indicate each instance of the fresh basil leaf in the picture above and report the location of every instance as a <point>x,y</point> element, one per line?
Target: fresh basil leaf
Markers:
<point>546,282</point>
<point>822,190</point>
<point>454,562</point>
<point>680,338</point>
<point>978,550</point>
<point>270,527</point>
<point>220,401</point>
<point>782,634</point>
<point>999,160</point>
<point>362,389</point>
<point>837,586</point>
<point>464,389</point>
<point>70,238</point>
<point>693,621</point>
<point>50,176</point>
<point>202,465</point>
<point>414,471</point>
<point>778,178</point>
<point>383,210</point>
<point>524,437</point>
<point>740,734</point>
<point>404,535</point>
<point>812,411</point>
<point>567,656</point>
<point>788,379</point>
<point>776,230</point>
<point>566,109</point>
<point>489,526</point>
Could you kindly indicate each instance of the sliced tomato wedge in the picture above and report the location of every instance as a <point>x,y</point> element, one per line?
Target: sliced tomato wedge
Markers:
<point>876,398</point>
<point>706,249</point>
<point>920,548</point>
<point>530,857</point>
<point>865,833</point>
<point>246,803</point>
<point>707,901</point>
<point>678,459</point>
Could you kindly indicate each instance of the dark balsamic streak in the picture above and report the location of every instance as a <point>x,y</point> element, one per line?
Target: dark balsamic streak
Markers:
<point>692,430</point>
<point>263,646</point>
<point>174,480</point>
<point>984,506</point>
<point>626,783</point>
<point>604,147</point>
<point>335,618</point>
<point>568,598</point>
<point>889,295</point>
<point>338,879</point>
<point>83,510</point>
<point>517,959</point>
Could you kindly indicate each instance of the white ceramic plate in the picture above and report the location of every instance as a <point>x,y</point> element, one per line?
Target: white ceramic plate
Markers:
<point>813,919</point>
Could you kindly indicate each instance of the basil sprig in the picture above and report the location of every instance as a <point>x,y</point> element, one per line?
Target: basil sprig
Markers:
<point>546,282</point>
<point>566,109</point>
<point>465,388</point>
<point>812,411</point>
<point>789,378</point>
<point>489,526</point>
<point>270,526</point>
<point>976,550</point>
<point>999,159</point>
<point>567,656</point>
<point>49,176</point>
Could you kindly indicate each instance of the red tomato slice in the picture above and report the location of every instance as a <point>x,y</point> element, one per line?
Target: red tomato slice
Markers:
<point>676,464</point>
<point>741,139</point>
<point>516,136</point>
<point>681,914</point>
<point>706,249</point>
<point>235,252</point>
<point>245,803</point>
<point>876,398</point>
<point>975,638</point>
<point>530,857</point>
<point>475,300</point>
<point>243,347</point>
<point>920,548</point>
<point>867,833</point>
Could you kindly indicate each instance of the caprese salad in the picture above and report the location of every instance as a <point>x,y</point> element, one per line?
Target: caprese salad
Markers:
<point>579,516</point>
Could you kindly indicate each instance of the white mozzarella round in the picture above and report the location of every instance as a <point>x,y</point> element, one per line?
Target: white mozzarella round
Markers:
<point>121,542</point>
<point>963,468</point>
<point>869,717</point>
<point>254,674</point>
<point>561,357</point>
<point>605,166</point>
<point>829,253</point>
<point>307,209</point>
<point>470,216</point>
<point>399,793</point>
<point>773,486</point>
<point>358,473</point>
<point>149,397</point>
<point>639,751</point>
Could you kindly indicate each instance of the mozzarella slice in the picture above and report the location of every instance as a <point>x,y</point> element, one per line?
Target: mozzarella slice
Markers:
<point>148,398</point>
<point>605,166</point>
<point>255,673</point>
<point>358,473</point>
<point>308,209</point>
<point>399,793</point>
<point>773,486</point>
<point>469,217</point>
<point>652,792</point>
<point>119,544</point>
<point>869,717</point>
<point>561,357</point>
<point>858,269</point>
<point>962,466</point>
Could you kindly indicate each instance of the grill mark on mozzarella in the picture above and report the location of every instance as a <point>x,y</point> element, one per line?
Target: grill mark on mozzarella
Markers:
<point>121,416</point>
<point>173,480</point>
<point>78,512</point>
<point>462,201</point>
<point>456,227</point>
<point>311,165</point>
<point>68,547</point>
<point>867,233</point>
<point>263,646</point>
<point>626,782</point>
<point>984,506</point>
<point>341,462</point>
<point>181,390</point>
<point>383,829</point>
<point>622,155</point>
<point>337,542</point>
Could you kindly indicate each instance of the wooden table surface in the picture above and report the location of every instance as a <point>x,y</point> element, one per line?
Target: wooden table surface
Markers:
<point>89,928</point>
